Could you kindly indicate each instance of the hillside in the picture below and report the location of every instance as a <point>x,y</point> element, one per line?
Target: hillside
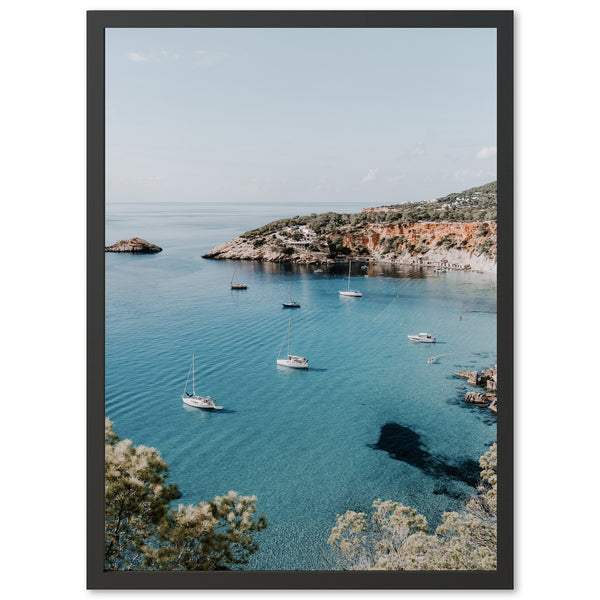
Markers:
<point>457,230</point>
<point>474,204</point>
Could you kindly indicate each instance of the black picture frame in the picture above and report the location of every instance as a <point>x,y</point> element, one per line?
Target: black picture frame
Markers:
<point>97,578</point>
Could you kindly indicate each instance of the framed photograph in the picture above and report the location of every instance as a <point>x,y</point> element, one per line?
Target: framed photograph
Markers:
<point>300,299</point>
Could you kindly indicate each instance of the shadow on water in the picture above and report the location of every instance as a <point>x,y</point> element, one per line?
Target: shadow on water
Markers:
<point>202,411</point>
<point>404,444</point>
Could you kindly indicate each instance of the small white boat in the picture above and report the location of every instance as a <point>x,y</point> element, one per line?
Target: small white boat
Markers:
<point>422,337</point>
<point>439,270</point>
<point>293,361</point>
<point>349,292</point>
<point>193,399</point>
<point>318,271</point>
<point>291,303</point>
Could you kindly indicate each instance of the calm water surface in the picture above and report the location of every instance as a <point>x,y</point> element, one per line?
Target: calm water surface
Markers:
<point>370,419</point>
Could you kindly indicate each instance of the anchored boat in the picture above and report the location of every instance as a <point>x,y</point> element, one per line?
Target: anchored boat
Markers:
<point>291,303</point>
<point>422,337</point>
<point>349,292</point>
<point>293,361</point>
<point>193,399</point>
<point>237,286</point>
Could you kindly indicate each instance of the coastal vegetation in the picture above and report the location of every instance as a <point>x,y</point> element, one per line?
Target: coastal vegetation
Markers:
<point>142,530</point>
<point>473,205</point>
<point>396,537</point>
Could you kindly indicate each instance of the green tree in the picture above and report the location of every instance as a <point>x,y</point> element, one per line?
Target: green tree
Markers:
<point>397,537</point>
<point>142,531</point>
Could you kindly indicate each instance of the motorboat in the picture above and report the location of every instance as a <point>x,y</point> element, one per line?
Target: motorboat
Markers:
<point>193,399</point>
<point>422,337</point>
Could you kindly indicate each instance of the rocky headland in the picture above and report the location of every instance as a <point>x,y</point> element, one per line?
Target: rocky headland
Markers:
<point>487,380</point>
<point>458,231</point>
<point>450,245</point>
<point>135,245</point>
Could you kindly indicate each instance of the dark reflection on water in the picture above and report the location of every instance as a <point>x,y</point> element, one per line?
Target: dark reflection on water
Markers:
<point>404,444</point>
<point>338,269</point>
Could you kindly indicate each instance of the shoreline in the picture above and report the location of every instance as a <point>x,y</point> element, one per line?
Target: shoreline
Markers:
<point>474,264</point>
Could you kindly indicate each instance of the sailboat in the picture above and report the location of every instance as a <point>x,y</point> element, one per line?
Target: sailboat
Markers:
<point>237,286</point>
<point>349,292</point>
<point>195,400</point>
<point>291,303</point>
<point>295,362</point>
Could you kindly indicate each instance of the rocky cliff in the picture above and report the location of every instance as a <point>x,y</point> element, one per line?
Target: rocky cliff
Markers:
<point>452,244</point>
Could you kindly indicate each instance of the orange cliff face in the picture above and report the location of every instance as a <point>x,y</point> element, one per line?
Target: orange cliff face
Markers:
<point>460,244</point>
<point>432,240</point>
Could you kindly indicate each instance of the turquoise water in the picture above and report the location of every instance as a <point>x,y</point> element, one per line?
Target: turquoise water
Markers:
<point>308,444</point>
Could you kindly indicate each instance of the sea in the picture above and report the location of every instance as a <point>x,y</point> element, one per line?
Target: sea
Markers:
<point>370,419</point>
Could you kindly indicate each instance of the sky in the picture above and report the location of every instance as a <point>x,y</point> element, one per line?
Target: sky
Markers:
<point>359,116</point>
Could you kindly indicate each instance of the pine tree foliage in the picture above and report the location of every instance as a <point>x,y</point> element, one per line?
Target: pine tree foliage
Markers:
<point>143,532</point>
<point>396,537</point>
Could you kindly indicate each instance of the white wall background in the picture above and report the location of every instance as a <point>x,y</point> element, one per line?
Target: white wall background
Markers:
<point>42,137</point>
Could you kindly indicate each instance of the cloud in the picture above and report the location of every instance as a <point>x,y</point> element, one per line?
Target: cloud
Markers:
<point>370,175</point>
<point>486,152</point>
<point>137,57</point>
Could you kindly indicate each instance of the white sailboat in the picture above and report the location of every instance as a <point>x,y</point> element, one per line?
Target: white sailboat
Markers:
<point>293,361</point>
<point>349,292</point>
<point>291,303</point>
<point>194,400</point>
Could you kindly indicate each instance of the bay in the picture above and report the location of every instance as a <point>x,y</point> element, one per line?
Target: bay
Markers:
<point>370,418</point>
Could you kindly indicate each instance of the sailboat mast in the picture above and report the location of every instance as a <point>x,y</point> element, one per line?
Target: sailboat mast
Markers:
<point>349,264</point>
<point>193,381</point>
<point>289,327</point>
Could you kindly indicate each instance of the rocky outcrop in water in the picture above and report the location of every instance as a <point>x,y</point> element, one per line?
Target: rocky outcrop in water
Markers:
<point>476,398</point>
<point>135,245</point>
<point>487,380</point>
